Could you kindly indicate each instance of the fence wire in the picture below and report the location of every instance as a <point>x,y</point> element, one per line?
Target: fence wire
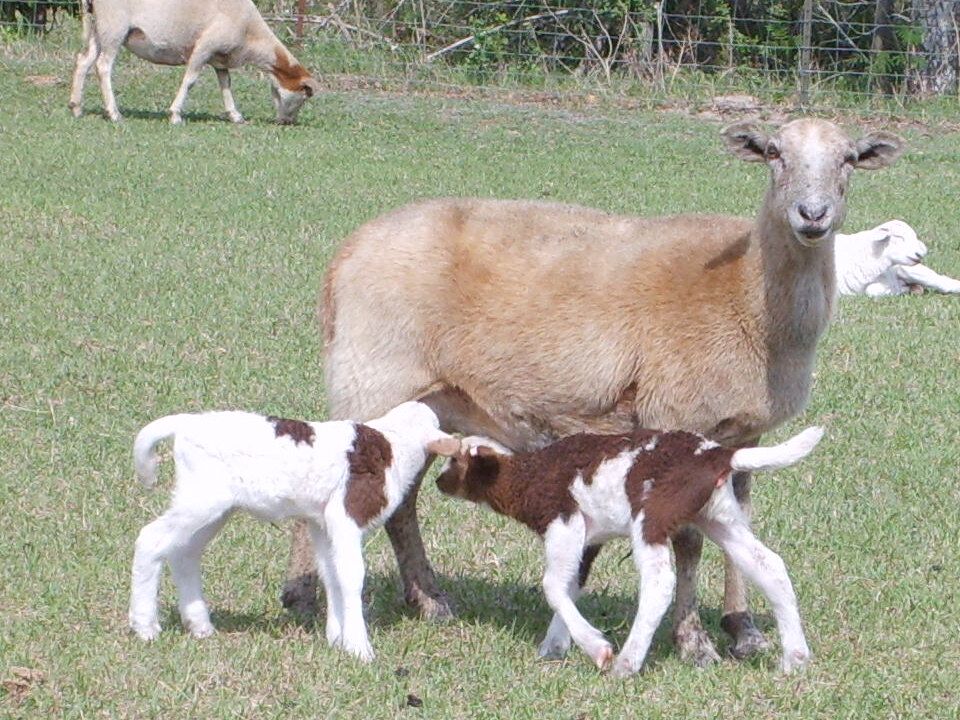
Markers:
<point>800,48</point>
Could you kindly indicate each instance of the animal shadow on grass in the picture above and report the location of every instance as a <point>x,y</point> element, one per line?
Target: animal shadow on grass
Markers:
<point>517,608</point>
<point>164,116</point>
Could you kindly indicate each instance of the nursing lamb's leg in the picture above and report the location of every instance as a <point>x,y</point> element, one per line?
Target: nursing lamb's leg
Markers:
<point>563,545</point>
<point>737,620</point>
<point>557,640</point>
<point>656,588</point>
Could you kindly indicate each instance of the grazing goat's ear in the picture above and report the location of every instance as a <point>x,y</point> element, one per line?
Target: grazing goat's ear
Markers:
<point>310,87</point>
<point>878,150</point>
<point>747,141</point>
<point>446,446</point>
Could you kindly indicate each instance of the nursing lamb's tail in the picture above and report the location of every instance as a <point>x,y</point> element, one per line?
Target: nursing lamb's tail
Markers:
<point>778,456</point>
<point>144,455</point>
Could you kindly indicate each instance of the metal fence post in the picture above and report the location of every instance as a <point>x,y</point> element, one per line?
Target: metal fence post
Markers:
<point>805,52</point>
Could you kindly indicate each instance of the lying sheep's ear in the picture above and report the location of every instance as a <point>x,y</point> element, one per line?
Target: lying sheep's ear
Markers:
<point>446,446</point>
<point>747,141</point>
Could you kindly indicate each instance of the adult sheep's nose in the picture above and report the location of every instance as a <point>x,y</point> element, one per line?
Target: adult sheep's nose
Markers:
<point>813,213</point>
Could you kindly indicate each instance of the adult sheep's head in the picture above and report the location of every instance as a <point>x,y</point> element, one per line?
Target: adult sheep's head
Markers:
<point>810,162</point>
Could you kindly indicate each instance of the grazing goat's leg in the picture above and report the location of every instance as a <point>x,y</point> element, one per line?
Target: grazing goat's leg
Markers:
<point>563,549</point>
<point>556,642</point>
<point>331,582</point>
<point>300,588</point>
<point>197,60</point>
<point>767,571</point>
<point>346,544</point>
<point>419,583</point>
<point>657,581</point>
<point>85,61</point>
<point>688,634</point>
<point>108,53</point>
<point>223,79</point>
<point>737,620</point>
<point>185,569</point>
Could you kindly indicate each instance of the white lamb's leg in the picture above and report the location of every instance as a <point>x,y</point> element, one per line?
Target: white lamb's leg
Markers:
<point>346,542</point>
<point>657,582</point>
<point>922,275</point>
<point>331,583</point>
<point>223,79</point>
<point>564,545</point>
<point>767,571</point>
<point>185,568</point>
<point>152,545</point>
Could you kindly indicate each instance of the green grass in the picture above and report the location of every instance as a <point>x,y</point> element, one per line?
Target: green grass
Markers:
<point>146,269</point>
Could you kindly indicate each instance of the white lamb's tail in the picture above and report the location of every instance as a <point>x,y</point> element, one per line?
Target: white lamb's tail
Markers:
<point>144,457</point>
<point>778,456</point>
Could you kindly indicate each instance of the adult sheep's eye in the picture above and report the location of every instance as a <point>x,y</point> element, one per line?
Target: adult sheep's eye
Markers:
<point>772,152</point>
<point>849,159</point>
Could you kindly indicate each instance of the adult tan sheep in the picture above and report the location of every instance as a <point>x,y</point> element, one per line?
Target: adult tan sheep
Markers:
<point>529,321</point>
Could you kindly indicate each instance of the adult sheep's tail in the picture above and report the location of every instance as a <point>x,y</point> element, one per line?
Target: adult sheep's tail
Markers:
<point>144,456</point>
<point>778,456</point>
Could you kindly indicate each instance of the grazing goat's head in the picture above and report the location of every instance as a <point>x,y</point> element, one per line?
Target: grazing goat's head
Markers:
<point>290,86</point>
<point>810,163</point>
<point>898,242</point>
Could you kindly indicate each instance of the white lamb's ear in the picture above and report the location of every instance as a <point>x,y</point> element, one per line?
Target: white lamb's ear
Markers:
<point>447,446</point>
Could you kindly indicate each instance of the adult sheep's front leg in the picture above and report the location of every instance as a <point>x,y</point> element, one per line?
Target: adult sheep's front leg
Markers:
<point>420,587</point>
<point>300,589</point>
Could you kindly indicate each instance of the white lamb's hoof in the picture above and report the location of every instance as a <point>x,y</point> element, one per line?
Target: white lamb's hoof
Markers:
<point>363,652</point>
<point>623,667</point>
<point>146,631</point>
<point>553,649</point>
<point>603,656</point>
<point>795,660</point>
<point>202,631</point>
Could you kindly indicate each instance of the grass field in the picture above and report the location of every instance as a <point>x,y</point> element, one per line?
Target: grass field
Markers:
<point>146,269</point>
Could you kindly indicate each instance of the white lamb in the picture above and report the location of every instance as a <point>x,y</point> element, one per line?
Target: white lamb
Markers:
<point>343,478</point>
<point>886,261</point>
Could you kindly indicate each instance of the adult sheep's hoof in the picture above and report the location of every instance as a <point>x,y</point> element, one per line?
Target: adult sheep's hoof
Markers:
<point>695,646</point>
<point>299,595</point>
<point>747,639</point>
<point>436,606</point>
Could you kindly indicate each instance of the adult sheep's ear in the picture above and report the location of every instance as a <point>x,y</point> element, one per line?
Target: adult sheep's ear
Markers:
<point>447,446</point>
<point>747,141</point>
<point>878,150</point>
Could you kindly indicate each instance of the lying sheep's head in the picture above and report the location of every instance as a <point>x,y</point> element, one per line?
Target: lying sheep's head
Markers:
<point>810,163</point>
<point>898,242</point>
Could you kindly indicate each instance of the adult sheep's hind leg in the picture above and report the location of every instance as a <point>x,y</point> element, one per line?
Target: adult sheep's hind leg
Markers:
<point>689,636</point>
<point>300,588</point>
<point>737,620</point>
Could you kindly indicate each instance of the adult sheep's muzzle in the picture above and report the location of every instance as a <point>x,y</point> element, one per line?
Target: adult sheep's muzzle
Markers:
<point>812,220</point>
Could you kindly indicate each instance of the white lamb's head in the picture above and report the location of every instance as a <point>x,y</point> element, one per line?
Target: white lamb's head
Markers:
<point>898,242</point>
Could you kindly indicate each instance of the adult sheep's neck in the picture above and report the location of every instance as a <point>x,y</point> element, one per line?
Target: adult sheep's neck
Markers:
<point>798,282</point>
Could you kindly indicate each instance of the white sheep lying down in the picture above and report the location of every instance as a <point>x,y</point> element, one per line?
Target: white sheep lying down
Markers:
<point>343,478</point>
<point>886,261</point>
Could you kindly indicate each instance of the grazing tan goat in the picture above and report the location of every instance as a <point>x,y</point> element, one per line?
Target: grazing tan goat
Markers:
<point>222,33</point>
<point>530,321</point>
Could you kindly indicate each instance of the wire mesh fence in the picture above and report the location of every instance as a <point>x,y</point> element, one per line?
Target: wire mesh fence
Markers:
<point>805,50</point>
